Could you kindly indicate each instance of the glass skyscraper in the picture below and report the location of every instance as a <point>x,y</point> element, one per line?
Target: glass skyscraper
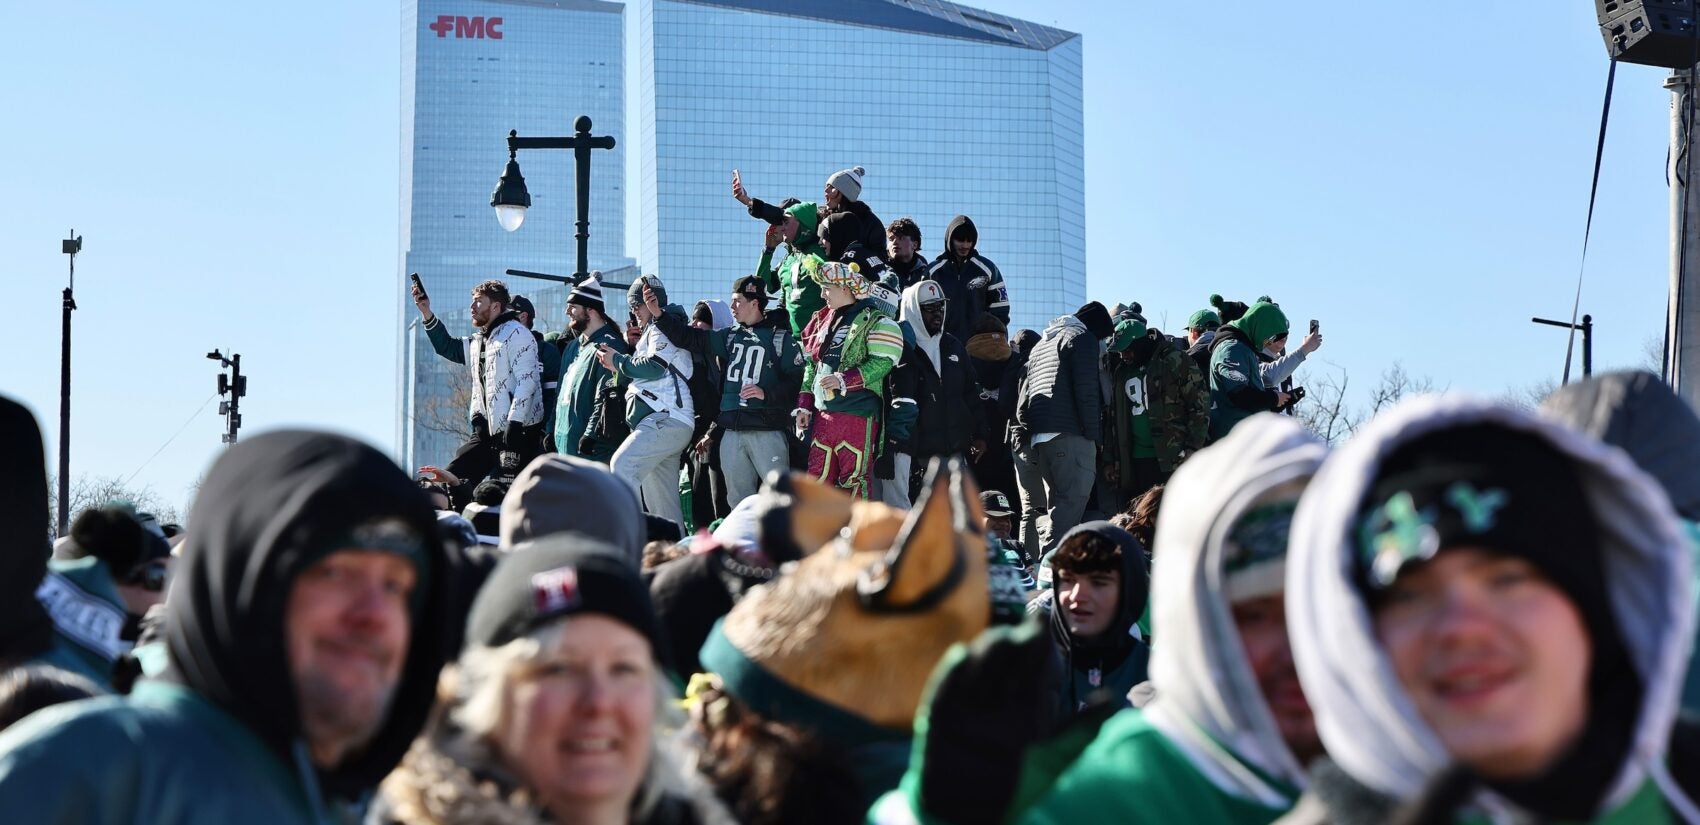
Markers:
<point>471,71</point>
<point>949,109</point>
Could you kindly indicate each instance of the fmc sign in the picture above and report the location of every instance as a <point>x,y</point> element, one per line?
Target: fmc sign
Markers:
<point>474,27</point>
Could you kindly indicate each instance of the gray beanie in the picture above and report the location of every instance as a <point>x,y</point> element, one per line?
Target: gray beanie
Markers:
<point>634,293</point>
<point>564,494</point>
<point>848,182</point>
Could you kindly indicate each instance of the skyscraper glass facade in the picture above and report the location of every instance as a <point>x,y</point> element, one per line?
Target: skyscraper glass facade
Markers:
<point>471,71</point>
<point>949,109</point>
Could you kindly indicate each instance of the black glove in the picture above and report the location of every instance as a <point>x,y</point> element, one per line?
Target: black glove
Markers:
<point>480,426</point>
<point>586,445</point>
<point>991,747</point>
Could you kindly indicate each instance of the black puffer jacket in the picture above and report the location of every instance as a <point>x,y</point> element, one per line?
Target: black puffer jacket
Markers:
<point>1059,390</point>
<point>949,404</point>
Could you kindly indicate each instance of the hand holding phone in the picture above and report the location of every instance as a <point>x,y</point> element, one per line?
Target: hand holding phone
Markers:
<point>738,192</point>
<point>1315,326</point>
<point>420,299</point>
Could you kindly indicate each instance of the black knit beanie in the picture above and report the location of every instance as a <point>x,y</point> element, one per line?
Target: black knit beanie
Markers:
<point>556,576</point>
<point>1513,492</point>
<point>116,536</point>
<point>1097,320</point>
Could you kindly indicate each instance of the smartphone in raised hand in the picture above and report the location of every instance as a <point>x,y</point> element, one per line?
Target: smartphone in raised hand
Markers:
<point>419,287</point>
<point>1315,326</point>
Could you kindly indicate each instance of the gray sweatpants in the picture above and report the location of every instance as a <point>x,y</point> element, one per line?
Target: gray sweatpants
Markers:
<point>1058,473</point>
<point>747,456</point>
<point>895,490</point>
<point>648,460</point>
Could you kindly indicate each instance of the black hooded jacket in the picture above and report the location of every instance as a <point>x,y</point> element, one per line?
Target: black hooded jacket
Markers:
<point>972,285</point>
<point>269,507</point>
<point>1637,412</point>
<point>1113,648</point>
<point>26,631</point>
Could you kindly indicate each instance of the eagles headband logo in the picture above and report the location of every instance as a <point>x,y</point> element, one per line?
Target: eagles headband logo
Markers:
<point>555,591</point>
<point>1398,533</point>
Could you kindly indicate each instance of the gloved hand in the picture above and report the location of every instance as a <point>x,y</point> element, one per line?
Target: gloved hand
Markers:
<point>984,742</point>
<point>586,445</point>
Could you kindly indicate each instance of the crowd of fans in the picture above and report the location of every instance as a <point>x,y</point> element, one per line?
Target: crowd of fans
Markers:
<point>843,548</point>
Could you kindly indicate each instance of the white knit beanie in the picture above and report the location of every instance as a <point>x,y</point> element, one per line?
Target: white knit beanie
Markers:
<point>848,182</point>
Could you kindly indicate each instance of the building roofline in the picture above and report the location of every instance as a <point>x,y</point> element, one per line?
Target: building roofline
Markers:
<point>936,18</point>
<point>565,5</point>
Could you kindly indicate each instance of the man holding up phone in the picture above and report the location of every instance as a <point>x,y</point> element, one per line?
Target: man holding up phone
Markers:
<point>507,389</point>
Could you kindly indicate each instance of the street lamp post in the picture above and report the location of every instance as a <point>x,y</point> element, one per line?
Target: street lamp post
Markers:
<point>511,198</point>
<point>1587,330</point>
<point>70,246</point>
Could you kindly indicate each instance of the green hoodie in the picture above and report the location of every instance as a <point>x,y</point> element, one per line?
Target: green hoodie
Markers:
<point>792,281</point>
<point>1261,322</point>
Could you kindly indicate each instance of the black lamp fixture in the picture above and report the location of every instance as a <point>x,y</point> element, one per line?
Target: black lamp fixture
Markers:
<point>511,198</point>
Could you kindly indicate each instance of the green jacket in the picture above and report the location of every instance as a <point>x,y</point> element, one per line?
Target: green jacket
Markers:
<point>1177,405</point>
<point>1132,773</point>
<point>580,381</point>
<point>865,355</point>
<point>161,754</point>
<point>88,616</point>
<point>793,281</point>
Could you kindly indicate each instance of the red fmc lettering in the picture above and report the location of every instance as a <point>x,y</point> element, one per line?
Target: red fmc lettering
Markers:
<point>463,27</point>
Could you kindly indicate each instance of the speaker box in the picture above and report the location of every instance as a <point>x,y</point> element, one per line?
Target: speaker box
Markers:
<point>1649,32</point>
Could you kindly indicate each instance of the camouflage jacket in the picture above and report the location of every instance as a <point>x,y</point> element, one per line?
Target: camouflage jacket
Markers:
<point>1179,413</point>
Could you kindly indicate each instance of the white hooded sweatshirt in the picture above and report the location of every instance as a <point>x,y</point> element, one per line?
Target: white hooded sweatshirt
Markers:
<point>1366,720</point>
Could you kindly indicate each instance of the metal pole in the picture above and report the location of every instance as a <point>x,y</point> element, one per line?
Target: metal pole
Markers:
<point>70,247</point>
<point>581,156</point>
<point>1682,324</point>
<point>1587,345</point>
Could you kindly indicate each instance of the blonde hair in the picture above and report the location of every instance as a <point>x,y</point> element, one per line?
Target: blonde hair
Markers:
<point>476,705</point>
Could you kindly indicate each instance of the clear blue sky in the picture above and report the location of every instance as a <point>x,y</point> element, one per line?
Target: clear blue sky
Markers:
<point>1414,177</point>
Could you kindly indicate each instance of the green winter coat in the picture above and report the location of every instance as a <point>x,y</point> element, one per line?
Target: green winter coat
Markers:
<point>1177,405</point>
<point>580,381</point>
<point>161,754</point>
<point>793,279</point>
<point>1199,751</point>
<point>1133,774</point>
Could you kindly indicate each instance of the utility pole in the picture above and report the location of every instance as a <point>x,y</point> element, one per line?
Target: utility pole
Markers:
<point>1587,330</point>
<point>70,246</point>
<point>1682,322</point>
<point>235,385</point>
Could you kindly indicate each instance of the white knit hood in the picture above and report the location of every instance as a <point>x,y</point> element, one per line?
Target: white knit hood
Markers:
<point>1366,720</point>
<point>1208,698</point>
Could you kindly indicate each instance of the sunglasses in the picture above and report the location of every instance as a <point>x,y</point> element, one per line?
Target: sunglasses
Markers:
<point>150,577</point>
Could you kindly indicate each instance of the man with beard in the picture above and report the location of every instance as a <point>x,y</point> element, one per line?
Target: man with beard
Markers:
<point>300,659</point>
<point>549,357</point>
<point>584,379</point>
<point>1161,410</point>
<point>939,379</point>
<point>507,388</point>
